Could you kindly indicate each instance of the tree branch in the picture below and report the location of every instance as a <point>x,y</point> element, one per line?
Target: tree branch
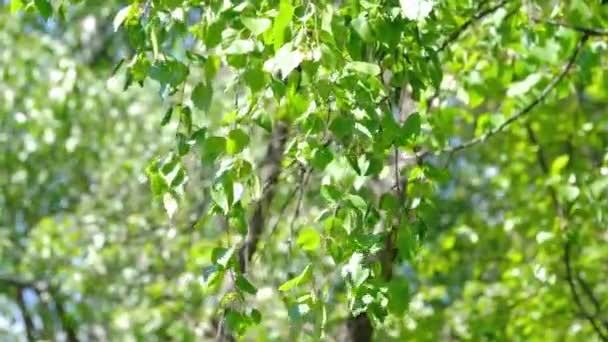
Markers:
<point>40,287</point>
<point>66,322</point>
<point>273,158</point>
<point>588,31</point>
<point>567,258</point>
<point>27,319</point>
<point>274,155</point>
<point>478,16</point>
<point>522,113</point>
<point>575,295</point>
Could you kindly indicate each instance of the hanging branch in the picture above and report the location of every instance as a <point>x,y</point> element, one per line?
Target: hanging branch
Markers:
<point>478,16</point>
<point>274,155</point>
<point>567,257</point>
<point>273,158</point>
<point>305,175</point>
<point>459,31</point>
<point>522,113</point>
<point>39,287</point>
<point>589,31</point>
<point>27,319</point>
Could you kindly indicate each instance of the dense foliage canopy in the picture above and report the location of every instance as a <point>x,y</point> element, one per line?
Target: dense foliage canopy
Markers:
<point>308,170</point>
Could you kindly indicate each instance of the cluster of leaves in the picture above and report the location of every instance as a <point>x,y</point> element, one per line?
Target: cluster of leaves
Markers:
<point>321,139</point>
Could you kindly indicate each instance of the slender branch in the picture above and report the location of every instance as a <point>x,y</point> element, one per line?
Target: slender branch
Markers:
<point>10,280</point>
<point>274,155</point>
<point>273,158</point>
<point>478,16</point>
<point>360,328</point>
<point>589,293</point>
<point>27,319</point>
<point>567,258</point>
<point>66,322</point>
<point>39,287</point>
<point>458,32</point>
<point>522,113</point>
<point>396,173</point>
<point>305,177</point>
<point>589,31</point>
<point>281,213</point>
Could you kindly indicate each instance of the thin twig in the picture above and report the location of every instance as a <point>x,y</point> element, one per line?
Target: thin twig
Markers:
<point>589,292</point>
<point>522,113</point>
<point>25,315</point>
<point>589,31</point>
<point>567,259</point>
<point>478,16</point>
<point>576,296</point>
<point>274,156</point>
<point>280,215</point>
<point>305,177</point>
<point>39,287</point>
<point>456,34</point>
<point>396,173</point>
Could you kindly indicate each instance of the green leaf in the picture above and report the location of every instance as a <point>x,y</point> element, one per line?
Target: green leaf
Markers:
<point>281,21</point>
<point>213,34</point>
<point>297,311</point>
<point>222,256</point>
<point>170,204</point>
<point>411,126</point>
<point>16,5</point>
<point>220,198</point>
<point>169,72</point>
<point>569,192</point>
<point>301,279</point>
<point>212,148</point>
<point>120,17</point>
<point>256,316</point>
<point>559,164</point>
<point>240,47</point>
<point>398,296</point>
<point>321,157</point>
<point>237,141</point>
<point>364,68</point>
<point>356,201</point>
<point>185,118</point>
<point>212,275</point>
<point>389,202</point>
<point>167,117</point>
<point>308,239</point>
<point>183,144</point>
<point>235,322</point>
<point>44,7</point>
<point>212,66</point>
<point>158,184</point>
<point>237,219</point>
<point>342,126</point>
<point>416,9</point>
<point>361,26</point>
<point>524,86</point>
<point>331,193</point>
<point>257,26</point>
<point>245,285</point>
<point>355,270</point>
<point>202,95</point>
<point>178,179</point>
<point>285,61</point>
<point>406,243</point>
<point>255,78</point>
<point>264,120</point>
<point>170,4</point>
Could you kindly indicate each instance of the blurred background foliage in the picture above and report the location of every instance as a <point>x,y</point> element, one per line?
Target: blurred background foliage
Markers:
<point>511,241</point>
